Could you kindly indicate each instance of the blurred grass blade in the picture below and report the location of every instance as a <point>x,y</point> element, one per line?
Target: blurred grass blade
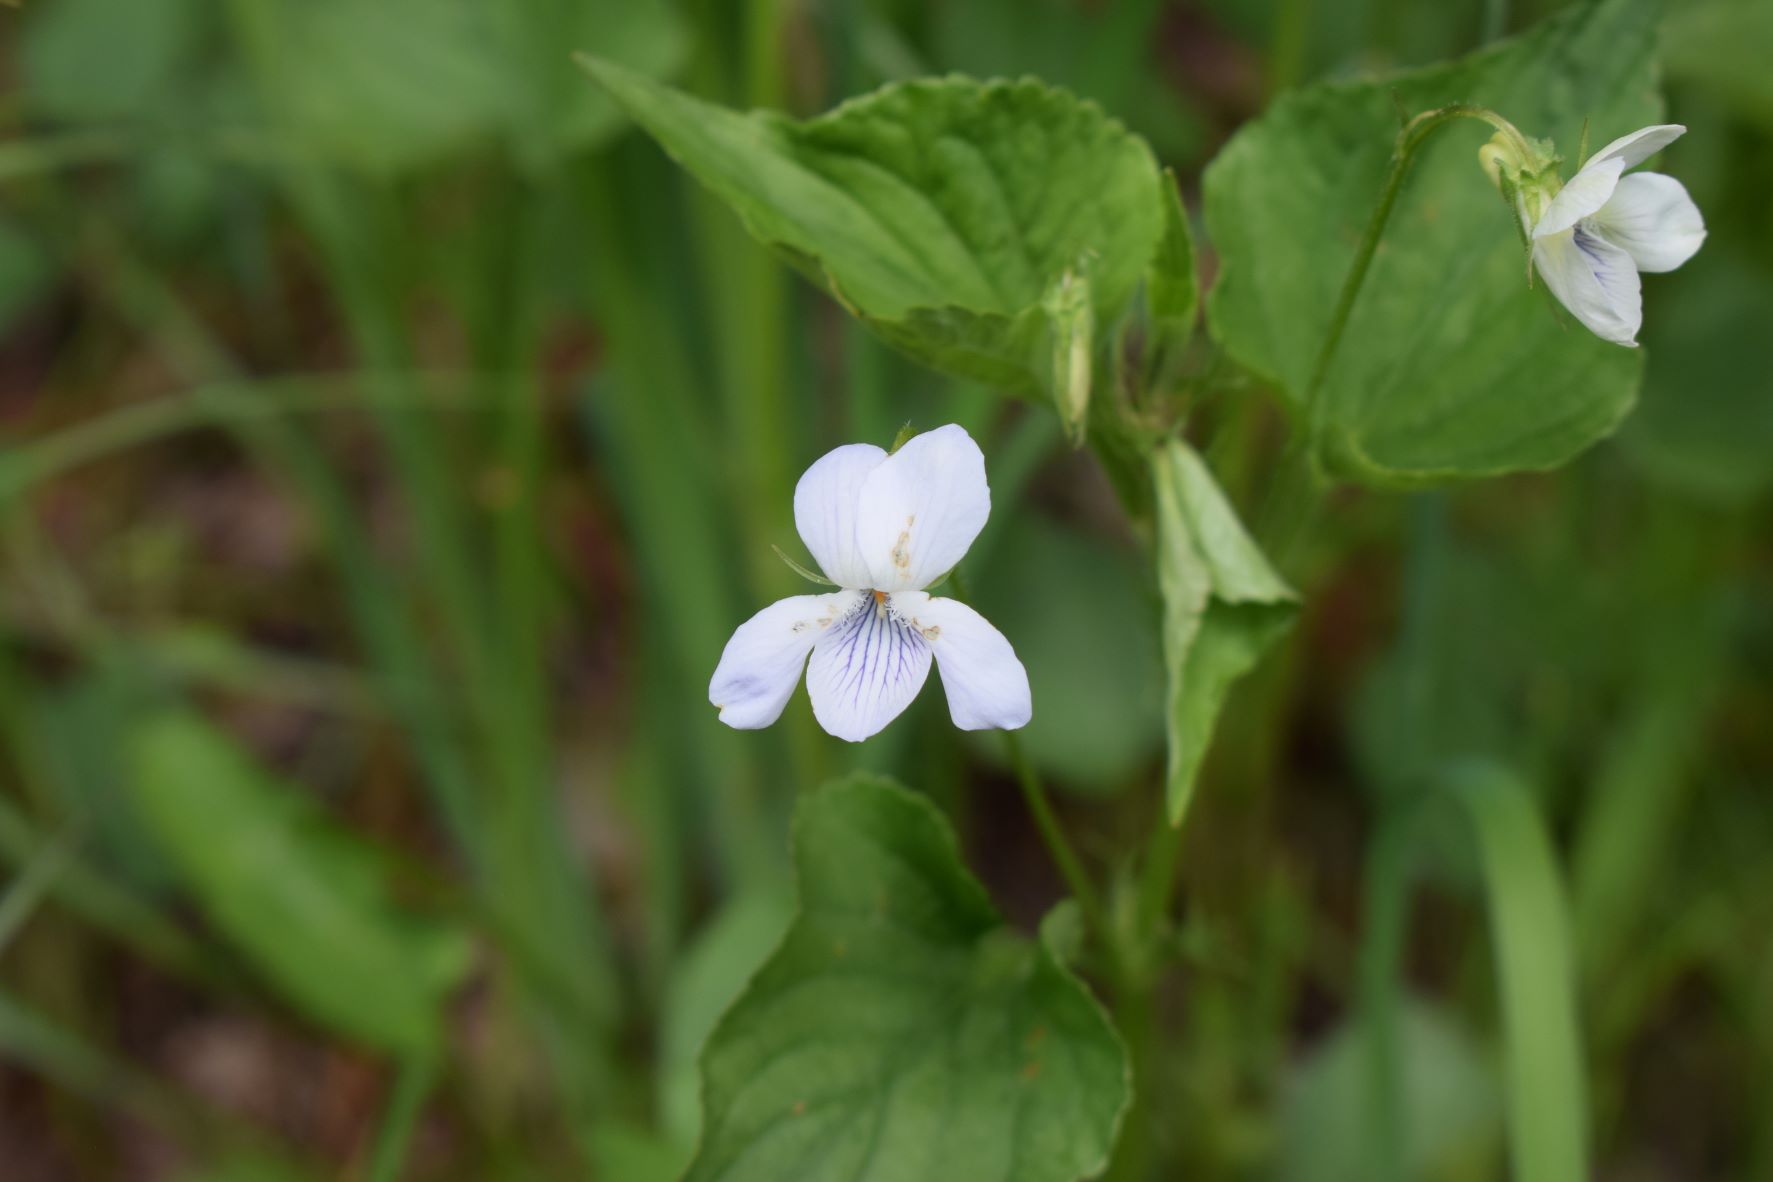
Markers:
<point>1529,923</point>
<point>404,1106</point>
<point>304,901</point>
<point>31,886</point>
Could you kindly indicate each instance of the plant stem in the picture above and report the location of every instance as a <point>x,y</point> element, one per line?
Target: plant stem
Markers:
<point>1053,834</point>
<point>1403,155</point>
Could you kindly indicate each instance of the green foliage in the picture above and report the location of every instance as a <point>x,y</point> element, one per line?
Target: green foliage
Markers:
<point>360,83</point>
<point>1450,365</point>
<point>1089,642</point>
<point>93,60</point>
<point>901,1030</point>
<point>305,901</point>
<point>1224,606</point>
<point>1449,1095</point>
<point>1529,925</point>
<point>1706,423</point>
<point>1721,47</point>
<point>943,213</point>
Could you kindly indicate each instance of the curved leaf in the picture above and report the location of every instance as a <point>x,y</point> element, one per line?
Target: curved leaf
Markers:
<point>942,212</point>
<point>901,1030</point>
<point>306,902</point>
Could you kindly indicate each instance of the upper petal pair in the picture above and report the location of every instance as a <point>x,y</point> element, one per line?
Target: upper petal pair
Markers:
<point>894,522</point>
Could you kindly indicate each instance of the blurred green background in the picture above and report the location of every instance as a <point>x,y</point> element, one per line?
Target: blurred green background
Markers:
<point>390,440</point>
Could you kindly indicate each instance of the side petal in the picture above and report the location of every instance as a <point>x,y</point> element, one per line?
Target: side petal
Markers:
<point>825,510</point>
<point>921,509</point>
<point>761,663</point>
<point>1653,220</point>
<point>987,686</point>
<point>1641,144</point>
<point>866,670</point>
<point>1587,191</point>
<point>1595,280</point>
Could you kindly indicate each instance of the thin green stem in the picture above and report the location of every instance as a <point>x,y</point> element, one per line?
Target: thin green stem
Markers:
<point>1409,140</point>
<point>1053,835</point>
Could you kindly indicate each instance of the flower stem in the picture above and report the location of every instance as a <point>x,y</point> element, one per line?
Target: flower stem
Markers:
<point>1408,141</point>
<point>1053,834</point>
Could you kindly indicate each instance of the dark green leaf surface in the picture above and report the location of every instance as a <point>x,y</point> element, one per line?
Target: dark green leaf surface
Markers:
<point>901,1031</point>
<point>1450,366</point>
<point>305,902</point>
<point>1223,607</point>
<point>940,211</point>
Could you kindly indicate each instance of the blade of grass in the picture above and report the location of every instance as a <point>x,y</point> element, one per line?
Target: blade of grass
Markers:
<point>1529,925</point>
<point>401,1114</point>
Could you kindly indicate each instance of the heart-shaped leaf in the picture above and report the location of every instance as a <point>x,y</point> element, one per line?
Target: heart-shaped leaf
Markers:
<point>1451,366</point>
<point>954,217</point>
<point>901,1030</point>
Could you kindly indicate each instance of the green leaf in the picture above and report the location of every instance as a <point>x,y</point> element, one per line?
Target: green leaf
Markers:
<point>901,1030</point>
<point>1446,1089</point>
<point>1100,686</point>
<point>711,972</point>
<point>942,212</point>
<point>96,60</point>
<point>1706,423</point>
<point>1224,606</point>
<point>305,901</point>
<point>1721,46</point>
<point>1172,294</point>
<point>395,84</point>
<point>1450,365</point>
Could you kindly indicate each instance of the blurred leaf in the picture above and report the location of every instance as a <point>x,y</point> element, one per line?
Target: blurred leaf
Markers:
<point>624,1153</point>
<point>247,1168</point>
<point>25,272</point>
<point>1448,1093</point>
<point>94,60</point>
<point>388,85</point>
<point>1723,46</point>
<point>305,901</point>
<point>941,212</point>
<point>1450,366</point>
<point>1107,51</point>
<point>82,725</point>
<point>1224,606</point>
<point>709,975</point>
<point>1089,643</point>
<point>901,1029</point>
<point>1706,424</point>
<point>383,85</point>
<point>556,113</point>
<point>1530,929</point>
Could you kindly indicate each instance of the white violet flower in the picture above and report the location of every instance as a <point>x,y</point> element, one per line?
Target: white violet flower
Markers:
<point>1596,233</point>
<point>882,527</point>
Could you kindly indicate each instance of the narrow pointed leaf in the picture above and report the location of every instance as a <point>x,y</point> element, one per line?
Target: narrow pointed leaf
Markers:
<point>1224,606</point>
